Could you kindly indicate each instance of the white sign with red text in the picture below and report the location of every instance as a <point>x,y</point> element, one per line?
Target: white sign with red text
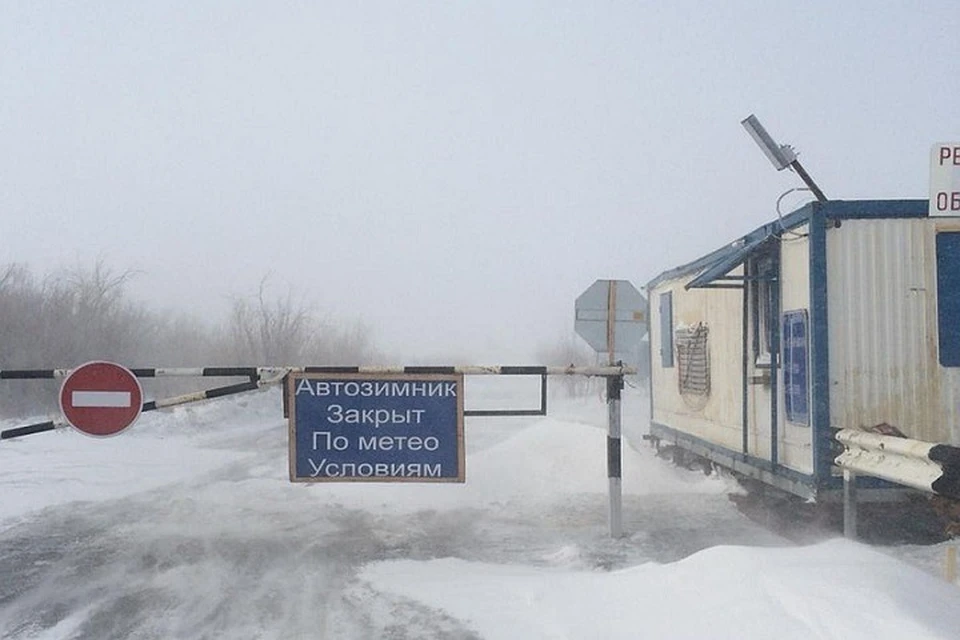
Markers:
<point>945,179</point>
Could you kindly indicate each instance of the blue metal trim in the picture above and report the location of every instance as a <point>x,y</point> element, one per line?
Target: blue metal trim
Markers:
<point>650,360</point>
<point>833,209</point>
<point>776,357</point>
<point>821,433</point>
<point>730,261</point>
<point>716,286</point>
<point>792,479</point>
<point>860,209</point>
<point>754,311</point>
<point>835,483</point>
<point>792,220</point>
<point>692,267</point>
<point>948,302</point>
<point>758,463</point>
<point>789,221</point>
<point>744,369</point>
<point>666,330</point>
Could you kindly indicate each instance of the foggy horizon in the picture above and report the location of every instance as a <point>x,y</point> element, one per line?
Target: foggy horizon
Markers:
<point>451,176</point>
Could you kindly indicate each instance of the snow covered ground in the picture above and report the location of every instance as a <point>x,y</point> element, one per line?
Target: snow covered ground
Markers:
<point>186,526</point>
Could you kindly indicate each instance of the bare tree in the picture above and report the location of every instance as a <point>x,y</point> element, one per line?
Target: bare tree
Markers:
<point>85,313</point>
<point>285,331</point>
<point>272,332</point>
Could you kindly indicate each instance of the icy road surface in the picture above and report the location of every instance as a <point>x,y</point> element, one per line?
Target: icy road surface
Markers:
<point>186,527</point>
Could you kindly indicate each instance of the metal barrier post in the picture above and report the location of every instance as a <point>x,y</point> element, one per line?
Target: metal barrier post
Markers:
<point>849,504</point>
<point>614,385</point>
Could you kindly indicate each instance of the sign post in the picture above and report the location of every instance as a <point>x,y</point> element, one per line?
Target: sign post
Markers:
<point>945,179</point>
<point>611,315</point>
<point>356,427</point>
<point>101,398</point>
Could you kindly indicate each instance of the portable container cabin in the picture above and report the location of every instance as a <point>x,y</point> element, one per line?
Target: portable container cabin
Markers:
<point>842,314</point>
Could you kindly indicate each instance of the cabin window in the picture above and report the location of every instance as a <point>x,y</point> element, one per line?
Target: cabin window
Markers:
<point>948,298</point>
<point>666,329</point>
<point>763,304</point>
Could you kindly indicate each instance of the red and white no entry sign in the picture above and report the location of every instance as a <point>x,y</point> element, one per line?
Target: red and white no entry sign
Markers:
<point>101,398</point>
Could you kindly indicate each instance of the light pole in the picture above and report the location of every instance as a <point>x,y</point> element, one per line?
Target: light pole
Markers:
<point>782,156</point>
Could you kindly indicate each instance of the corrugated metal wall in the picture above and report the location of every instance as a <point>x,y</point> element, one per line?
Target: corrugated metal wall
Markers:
<point>883,330</point>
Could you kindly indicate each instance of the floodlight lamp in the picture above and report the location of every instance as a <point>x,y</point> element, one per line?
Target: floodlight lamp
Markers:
<point>782,156</point>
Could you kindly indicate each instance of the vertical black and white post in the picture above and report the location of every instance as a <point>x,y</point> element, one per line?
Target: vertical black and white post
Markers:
<point>614,385</point>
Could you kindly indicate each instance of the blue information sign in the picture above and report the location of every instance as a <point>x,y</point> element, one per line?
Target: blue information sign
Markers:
<point>376,428</point>
<point>795,379</point>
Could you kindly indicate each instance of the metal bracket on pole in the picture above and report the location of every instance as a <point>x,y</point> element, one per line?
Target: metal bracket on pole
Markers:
<point>849,504</point>
<point>780,155</point>
<point>807,180</point>
<point>614,385</point>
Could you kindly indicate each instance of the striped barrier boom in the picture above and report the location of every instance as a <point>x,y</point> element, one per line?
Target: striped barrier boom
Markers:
<point>255,372</point>
<point>152,405</point>
<point>471,370</point>
<point>926,466</point>
<point>198,372</point>
<point>267,376</point>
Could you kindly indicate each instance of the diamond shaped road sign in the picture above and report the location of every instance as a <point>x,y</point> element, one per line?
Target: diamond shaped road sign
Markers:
<point>611,315</point>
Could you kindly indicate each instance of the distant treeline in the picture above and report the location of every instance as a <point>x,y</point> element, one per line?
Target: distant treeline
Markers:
<point>82,314</point>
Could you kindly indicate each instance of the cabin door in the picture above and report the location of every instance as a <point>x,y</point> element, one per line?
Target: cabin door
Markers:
<point>763,330</point>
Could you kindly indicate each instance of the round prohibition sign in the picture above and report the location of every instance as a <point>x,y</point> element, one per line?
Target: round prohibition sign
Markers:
<point>101,398</point>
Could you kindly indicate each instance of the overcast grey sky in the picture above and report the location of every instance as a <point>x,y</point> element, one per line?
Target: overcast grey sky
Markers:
<point>452,173</point>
